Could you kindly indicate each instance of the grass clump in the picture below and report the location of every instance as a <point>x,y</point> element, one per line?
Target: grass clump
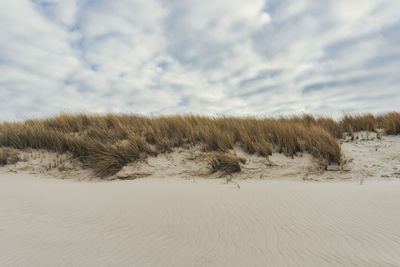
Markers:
<point>225,162</point>
<point>390,122</point>
<point>8,156</point>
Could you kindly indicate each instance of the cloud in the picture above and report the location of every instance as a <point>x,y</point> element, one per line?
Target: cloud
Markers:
<point>210,57</point>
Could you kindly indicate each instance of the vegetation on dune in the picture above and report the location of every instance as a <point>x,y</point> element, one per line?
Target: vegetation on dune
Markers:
<point>8,156</point>
<point>225,162</point>
<point>106,143</point>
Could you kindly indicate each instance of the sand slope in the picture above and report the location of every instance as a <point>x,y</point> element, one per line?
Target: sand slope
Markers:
<point>201,222</point>
<point>367,158</point>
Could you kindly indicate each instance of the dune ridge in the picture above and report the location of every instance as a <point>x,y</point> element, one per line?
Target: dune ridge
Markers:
<point>367,157</point>
<point>107,143</point>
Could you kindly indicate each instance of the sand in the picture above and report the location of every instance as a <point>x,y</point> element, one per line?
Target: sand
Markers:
<point>278,211</point>
<point>201,222</point>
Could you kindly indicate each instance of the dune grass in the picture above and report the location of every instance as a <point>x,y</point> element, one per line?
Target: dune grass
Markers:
<point>8,156</point>
<point>106,143</point>
<point>225,162</point>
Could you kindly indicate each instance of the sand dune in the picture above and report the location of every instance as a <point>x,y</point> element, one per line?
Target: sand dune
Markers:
<point>367,158</point>
<point>177,222</point>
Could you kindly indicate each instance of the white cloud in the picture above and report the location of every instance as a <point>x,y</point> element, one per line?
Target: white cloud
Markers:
<point>195,56</point>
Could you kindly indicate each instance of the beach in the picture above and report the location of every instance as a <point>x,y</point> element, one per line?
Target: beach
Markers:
<point>197,222</point>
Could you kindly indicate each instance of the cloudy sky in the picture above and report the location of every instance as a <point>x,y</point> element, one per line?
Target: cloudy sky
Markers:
<point>233,57</point>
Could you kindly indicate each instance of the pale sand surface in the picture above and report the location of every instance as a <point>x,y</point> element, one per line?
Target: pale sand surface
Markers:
<point>202,222</point>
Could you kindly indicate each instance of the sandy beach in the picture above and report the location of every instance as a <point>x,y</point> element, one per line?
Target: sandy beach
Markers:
<point>197,222</point>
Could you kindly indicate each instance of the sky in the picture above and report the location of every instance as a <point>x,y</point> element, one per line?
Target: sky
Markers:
<point>210,57</point>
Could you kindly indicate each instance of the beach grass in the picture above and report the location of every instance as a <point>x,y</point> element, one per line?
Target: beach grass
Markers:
<point>106,143</point>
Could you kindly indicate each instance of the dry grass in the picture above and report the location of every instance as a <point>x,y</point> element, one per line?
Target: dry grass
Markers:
<point>106,143</point>
<point>225,162</point>
<point>8,156</point>
<point>390,122</point>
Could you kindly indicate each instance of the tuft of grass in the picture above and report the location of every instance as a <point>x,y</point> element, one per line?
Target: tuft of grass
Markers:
<point>106,160</point>
<point>357,123</point>
<point>225,162</point>
<point>390,122</point>
<point>8,156</point>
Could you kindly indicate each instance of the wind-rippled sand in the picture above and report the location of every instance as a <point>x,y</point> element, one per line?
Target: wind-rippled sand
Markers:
<point>202,222</point>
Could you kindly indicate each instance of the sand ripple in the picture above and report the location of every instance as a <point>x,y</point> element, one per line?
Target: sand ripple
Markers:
<point>175,222</point>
